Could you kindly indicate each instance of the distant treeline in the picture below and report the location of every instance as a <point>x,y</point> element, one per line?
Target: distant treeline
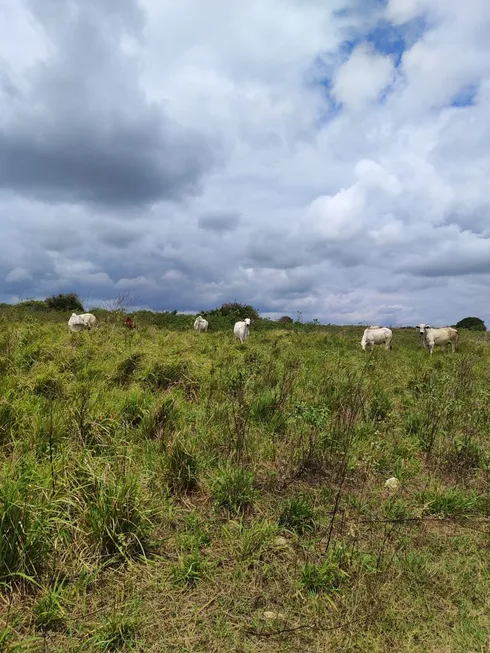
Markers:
<point>60,307</point>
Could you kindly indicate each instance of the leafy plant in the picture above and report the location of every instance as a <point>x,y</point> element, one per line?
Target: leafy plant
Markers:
<point>324,577</point>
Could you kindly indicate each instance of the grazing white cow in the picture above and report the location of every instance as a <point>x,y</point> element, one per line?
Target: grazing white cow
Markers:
<point>431,336</point>
<point>242,329</point>
<point>376,336</point>
<point>76,323</point>
<point>89,319</point>
<point>200,324</point>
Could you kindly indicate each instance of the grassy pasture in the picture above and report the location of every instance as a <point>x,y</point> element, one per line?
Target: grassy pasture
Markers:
<point>167,491</point>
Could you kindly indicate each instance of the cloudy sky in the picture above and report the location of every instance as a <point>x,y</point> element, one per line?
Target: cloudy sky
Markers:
<point>330,157</point>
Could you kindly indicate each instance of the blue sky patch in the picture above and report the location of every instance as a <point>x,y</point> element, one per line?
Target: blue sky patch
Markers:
<point>465,97</point>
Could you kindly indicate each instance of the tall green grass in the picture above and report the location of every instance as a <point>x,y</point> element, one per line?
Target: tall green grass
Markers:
<point>215,482</point>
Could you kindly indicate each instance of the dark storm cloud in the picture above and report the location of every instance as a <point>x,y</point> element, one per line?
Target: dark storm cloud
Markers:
<point>83,130</point>
<point>276,250</point>
<point>468,259</point>
<point>118,237</point>
<point>219,221</point>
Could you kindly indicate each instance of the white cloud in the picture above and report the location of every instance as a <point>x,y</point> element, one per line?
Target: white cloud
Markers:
<point>346,188</point>
<point>362,78</point>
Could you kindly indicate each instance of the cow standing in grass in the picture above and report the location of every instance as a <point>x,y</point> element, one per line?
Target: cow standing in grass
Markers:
<point>442,336</point>
<point>241,329</point>
<point>200,324</point>
<point>76,323</point>
<point>129,324</point>
<point>376,335</point>
<point>89,320</point>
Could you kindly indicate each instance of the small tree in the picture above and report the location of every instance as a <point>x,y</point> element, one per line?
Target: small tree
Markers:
<point>64,302</point>
<point>240,311</point>
<point>285,319</point>
<point>471,323</point>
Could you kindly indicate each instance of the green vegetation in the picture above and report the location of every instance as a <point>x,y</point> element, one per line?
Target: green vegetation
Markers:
<point>63,302</point>
<point>162,490</point>
<point>472,323</point>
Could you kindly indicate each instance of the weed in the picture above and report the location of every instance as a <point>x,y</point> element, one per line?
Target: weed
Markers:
<point>135,409</point>
<point>49,613</point>
<point>182,470</point>
<point>323,577</point>
<point>126,368</point>
<point>298,516</point>
<point>256,539</point>
<point>233,489</point>
<point>189,570</point>
<point>451,502</point>
<point>25,525</point>
<point>161,377</point>
<point>48,386</point>
<point>119,523</point>
<point>380,404</point>
<point>160,421</point>
<point>118,631</point>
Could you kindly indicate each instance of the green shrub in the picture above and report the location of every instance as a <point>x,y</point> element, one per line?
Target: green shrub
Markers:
<point>64,302</point>
<point>472,324</point>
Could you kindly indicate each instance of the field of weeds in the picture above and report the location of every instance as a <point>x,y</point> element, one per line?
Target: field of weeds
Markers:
<point>168,491</point>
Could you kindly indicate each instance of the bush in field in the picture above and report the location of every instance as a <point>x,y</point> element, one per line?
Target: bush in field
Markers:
<point>236,310</point>
<point>37,305</point>
<point>285,319</point>
<point>64,302</point>
<point>472,323</point>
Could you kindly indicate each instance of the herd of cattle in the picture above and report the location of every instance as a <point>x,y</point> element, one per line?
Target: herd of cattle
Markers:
<point>373,335</point>
<point>429,337</point>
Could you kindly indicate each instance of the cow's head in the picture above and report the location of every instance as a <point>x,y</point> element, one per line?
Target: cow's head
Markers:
<point>421,328</point>
<point>247,321</point>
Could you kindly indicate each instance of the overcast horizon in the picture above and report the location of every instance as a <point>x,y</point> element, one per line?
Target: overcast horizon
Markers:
<point>334,162</point>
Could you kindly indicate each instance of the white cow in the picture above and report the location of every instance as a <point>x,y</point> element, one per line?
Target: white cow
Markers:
<point>442,336</point>
<point>242,329</point>
<point>89,319</point>
<point>376,336</point>
<point>200,324</point>
<point>76,323</point>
